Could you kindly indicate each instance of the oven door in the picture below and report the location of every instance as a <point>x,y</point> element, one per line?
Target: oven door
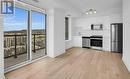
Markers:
<point>96,42</point>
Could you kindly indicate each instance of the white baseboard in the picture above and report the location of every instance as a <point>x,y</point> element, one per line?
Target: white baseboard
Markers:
<point>126,64</point>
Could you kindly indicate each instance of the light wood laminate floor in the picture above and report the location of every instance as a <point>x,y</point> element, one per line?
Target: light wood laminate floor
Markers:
<point>76,63</point>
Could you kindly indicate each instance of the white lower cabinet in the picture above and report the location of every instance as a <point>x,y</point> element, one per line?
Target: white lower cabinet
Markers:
<point>77,41</point>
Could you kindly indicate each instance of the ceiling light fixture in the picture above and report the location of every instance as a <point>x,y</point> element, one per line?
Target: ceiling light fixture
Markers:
<point>91,11</point>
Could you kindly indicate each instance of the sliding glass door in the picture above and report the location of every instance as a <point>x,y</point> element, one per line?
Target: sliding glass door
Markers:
<point>38,34</point>
<point>15,37</point>
<point>24,30</point>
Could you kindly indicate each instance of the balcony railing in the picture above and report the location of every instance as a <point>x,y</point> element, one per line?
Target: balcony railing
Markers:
<point>15,45</point>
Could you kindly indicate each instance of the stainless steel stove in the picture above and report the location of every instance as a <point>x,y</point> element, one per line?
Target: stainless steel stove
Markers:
<point>96,42</point>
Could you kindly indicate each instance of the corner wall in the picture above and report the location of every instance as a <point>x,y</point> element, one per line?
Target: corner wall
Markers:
<point>126,32</point>
<point>56,32</point>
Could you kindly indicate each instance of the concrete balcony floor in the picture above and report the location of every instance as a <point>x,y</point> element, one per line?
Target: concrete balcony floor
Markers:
<point>23,57</point>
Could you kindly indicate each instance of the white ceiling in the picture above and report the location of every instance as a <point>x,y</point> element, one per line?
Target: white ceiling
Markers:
<point>78,7</point>
<point>102,6</point>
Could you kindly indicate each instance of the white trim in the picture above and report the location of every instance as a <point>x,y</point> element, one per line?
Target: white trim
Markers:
<point>30,35</point>
<point>1,48</point>
<point>29,6</point>
<point>70,29</point>
<point>126,64</point>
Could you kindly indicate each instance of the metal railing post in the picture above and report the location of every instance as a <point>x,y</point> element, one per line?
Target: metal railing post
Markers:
<point>15,53</point>
<point>34,45</point>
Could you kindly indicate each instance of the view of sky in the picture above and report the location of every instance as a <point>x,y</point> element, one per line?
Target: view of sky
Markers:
<point>19,20</point>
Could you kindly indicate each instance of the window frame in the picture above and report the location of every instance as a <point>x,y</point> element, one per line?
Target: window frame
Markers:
<point>29,8</point>
<point>45,31</point>
<point>69,29</point>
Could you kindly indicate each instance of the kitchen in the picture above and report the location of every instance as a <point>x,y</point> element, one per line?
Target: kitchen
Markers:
<point>82,28</point>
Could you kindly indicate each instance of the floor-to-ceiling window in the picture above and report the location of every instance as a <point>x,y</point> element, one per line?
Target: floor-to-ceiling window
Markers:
<point>38,34</point>
<point>67,28</point>
<point>15,37</point>
<point>24,30</point>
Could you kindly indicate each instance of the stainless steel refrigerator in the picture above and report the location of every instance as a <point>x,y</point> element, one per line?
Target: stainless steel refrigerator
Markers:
<point>117,37</point>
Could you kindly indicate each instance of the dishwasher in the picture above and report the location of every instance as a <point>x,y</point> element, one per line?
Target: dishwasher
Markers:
<point>86,42</point>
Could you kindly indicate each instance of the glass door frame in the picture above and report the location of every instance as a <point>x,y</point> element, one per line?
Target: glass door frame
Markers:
<point>45,32</point>
<point>29,8</point>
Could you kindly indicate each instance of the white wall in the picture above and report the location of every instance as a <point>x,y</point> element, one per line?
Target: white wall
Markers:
<point>50,33</point>
<point>68,44</point>
<point>1,49</point>
<point>83,25</point>
<point>56,32</point>
<point>126,32</point>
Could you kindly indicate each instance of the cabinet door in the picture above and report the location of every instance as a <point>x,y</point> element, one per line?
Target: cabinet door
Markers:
<point>77,41</point>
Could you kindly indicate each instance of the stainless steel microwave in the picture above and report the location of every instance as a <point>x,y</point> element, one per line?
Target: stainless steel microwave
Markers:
<point>96,26</point>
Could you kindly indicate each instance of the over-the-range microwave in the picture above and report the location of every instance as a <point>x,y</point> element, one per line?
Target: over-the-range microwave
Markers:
<point>96,26</point>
